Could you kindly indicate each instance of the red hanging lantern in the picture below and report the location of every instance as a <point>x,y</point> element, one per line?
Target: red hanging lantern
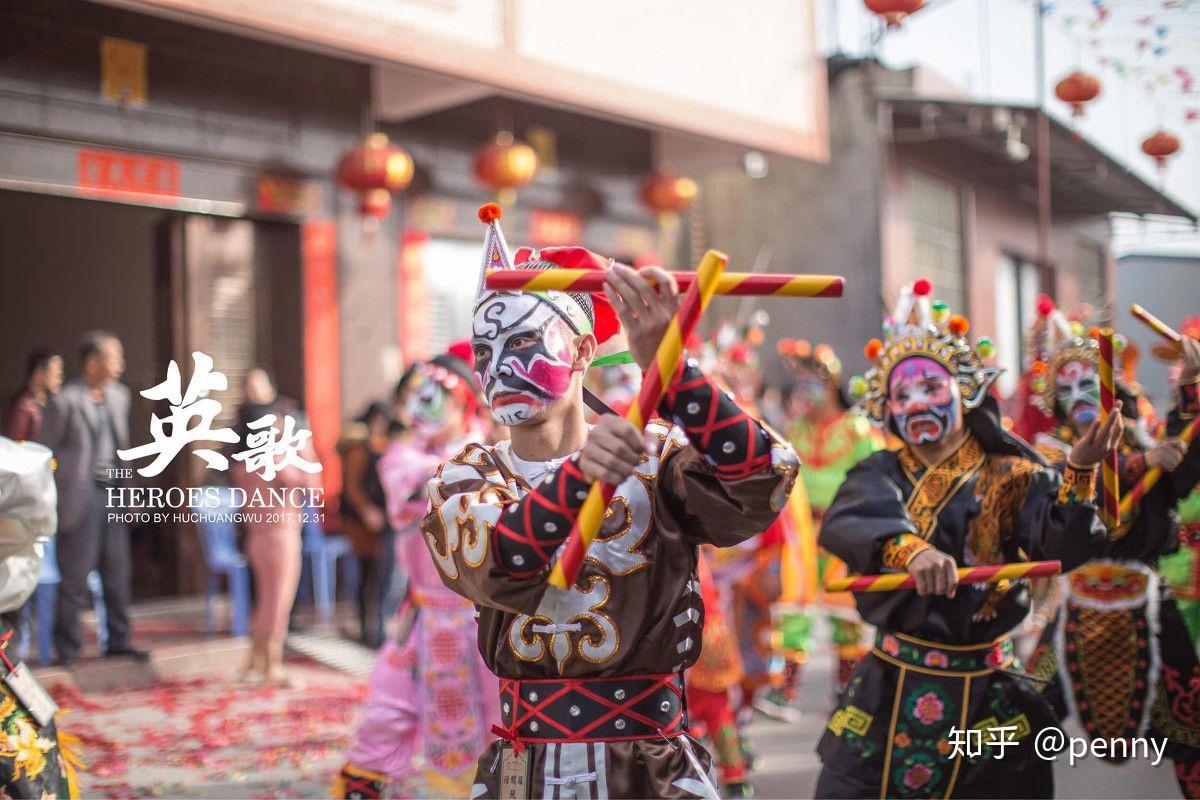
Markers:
<point>894,11</point>
<point>374,168</point>
<point>667,193</point>
<point>1160,146</point>
<point>505,165</point>
<point>1078,89</point>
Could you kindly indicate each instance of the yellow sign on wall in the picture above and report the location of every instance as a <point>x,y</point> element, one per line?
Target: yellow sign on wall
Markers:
<point>123,71</point>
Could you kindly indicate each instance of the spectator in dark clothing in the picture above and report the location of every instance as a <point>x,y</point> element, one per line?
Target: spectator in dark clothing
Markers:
<point>84,425</point>
<point>43,378</point>
<point>364,517</point>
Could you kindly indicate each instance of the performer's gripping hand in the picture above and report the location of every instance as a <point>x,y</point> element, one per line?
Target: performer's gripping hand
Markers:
<point>1166,455</point>
<point>613,450</point>
<point>934,572</point>
<point>1100,439</point>
<point>646,309</point>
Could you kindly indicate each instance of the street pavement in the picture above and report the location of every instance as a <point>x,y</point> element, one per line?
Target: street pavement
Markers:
<point>218,738</point>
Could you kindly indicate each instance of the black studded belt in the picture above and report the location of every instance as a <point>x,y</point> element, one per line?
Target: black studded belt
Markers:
<point>591,709</point>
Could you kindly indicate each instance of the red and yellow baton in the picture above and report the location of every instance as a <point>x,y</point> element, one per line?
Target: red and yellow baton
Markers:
<point>1155,324</point>
<point>1108,398</point>
<point>966,575</point>
<point>731,283</point>
<point>654,383</point>
<point>1152,475</point>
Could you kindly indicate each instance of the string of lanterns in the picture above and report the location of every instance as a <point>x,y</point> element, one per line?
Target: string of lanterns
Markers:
<point>375,169</point>
<point>1079,87</point>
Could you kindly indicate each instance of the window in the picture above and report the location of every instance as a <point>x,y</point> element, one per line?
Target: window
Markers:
<point>1089,273</point>
<point>935,218</point>
<point>1017,286</point>
<point>451,272</point>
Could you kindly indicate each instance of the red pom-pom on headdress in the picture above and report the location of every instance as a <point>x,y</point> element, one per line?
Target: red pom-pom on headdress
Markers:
<point>489,213</point>
<point>958,325</point>
<point>873,349</point>
<point>1045,306</point>
<point>922,287</point>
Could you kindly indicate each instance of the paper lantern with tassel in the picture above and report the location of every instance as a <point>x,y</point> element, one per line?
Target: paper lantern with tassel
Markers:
<point>1077,90</point>
<point>505,165</point>
<point>1160,146</point>
<point>375,168</point>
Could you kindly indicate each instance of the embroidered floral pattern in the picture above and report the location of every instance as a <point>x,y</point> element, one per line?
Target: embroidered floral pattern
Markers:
<point>920,654</point>
<point>917,776</point>
<point>936,658</point>
<point>900,549</point>
<point>928,708</point>
<point>33,763</point>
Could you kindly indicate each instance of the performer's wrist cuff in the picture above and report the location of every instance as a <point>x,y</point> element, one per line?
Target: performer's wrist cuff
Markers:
<point>1078,485</point>
<point>902,548</point>
<point>732,442</point>
<point>1189,398</point>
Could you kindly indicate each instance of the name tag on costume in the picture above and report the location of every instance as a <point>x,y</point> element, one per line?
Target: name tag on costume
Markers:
<point>514,774</point>
<point>31,694</point>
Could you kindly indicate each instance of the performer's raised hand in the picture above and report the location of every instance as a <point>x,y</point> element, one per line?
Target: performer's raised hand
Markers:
<point>935,572</point>
<point>646,308</point>
<point>1166,455</point>
<point>1099,440</point>
<point>613,450</point>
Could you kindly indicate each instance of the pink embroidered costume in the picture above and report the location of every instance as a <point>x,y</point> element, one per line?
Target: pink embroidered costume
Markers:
<point>432,700</point>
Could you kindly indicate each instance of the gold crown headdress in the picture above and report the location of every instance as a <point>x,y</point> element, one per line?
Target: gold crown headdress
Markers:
<point>920,327</point>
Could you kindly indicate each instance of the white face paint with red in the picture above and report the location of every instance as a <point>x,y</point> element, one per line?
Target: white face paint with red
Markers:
<point>923,400</point>
<point>1077,392</point>
<point>522,356</point>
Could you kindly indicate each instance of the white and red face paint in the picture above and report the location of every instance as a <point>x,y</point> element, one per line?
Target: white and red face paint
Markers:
<point>522,356</point>
<point>923,400</point>
<point>1077,392</point>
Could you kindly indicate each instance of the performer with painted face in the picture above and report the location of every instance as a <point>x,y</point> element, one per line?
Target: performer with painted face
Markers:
<point>829,439</point>
<point>432,700</point>
<point>961,490</point>
<point>1182,568</point>
<point>1126,663</point>
<point>591,687</point>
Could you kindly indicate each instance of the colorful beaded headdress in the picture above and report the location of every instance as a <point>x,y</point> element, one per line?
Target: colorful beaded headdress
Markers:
<point>800,354</point>
<point>919,327</point>
<point>1052,341</point>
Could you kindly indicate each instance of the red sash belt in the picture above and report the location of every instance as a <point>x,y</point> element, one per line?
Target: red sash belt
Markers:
<point>617,709</point>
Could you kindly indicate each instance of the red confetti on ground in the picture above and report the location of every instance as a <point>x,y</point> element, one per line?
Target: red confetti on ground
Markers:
<point>185,738</point>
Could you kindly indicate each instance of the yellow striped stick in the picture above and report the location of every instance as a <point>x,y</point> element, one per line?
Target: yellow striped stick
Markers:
<point>731,283</point>
<point>1109,474</point>
<point>658,376</point>
<point>966,575</point>
<point>1152,475</point>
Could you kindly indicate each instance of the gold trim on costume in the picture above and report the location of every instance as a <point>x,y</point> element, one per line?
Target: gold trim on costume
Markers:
<point>939,483</point>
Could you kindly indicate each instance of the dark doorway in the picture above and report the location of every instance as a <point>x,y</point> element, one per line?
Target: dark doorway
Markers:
<point>167,284</point>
